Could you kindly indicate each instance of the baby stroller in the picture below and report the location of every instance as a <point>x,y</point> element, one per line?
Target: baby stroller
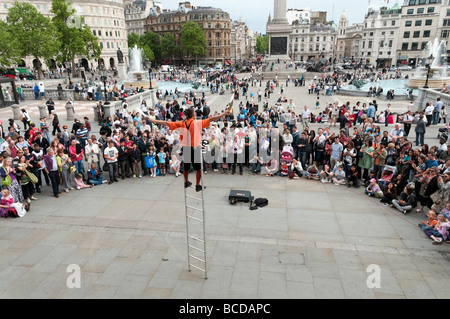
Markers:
<point>386,175</point>
<point>287,155</point>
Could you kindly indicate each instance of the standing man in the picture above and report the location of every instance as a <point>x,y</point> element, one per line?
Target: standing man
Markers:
<point>51,168</point>
<point>111,156</point>
<point>336,152</point>
<point>408,119</point>
<point>306,117</point>
<point>190,138</point>
<point>437,111</point>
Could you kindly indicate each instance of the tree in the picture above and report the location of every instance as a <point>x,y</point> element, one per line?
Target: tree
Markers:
<point>193,40</point>
<point>75,37</point>
<point>152,40</point>
<point>169,45</point>
<point>8,54</point>
<point>37,35</point>
<point>262,44</point>
<point>133,39</point>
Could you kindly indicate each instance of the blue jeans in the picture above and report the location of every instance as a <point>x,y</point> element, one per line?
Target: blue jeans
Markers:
<point>256,167</point>
<point>436,116</point>
<point>420,136</point>
<point>302,159</point>
<point>79,166</point>
<point>97,181</point>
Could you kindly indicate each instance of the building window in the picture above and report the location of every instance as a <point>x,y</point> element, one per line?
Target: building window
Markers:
<point>416,34</point>
<point>428,22</point>
<point>406,35</point>
<point>420,10</point>
<point>410,11</point>
<point>405,46</point>
<point>430,10</point>
<point>426,34</point>
<point>415,46</point>
<point>408,23</point>
<point>418,23</point>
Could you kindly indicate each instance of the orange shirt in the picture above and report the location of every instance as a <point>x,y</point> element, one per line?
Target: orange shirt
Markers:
<point>194,135</point>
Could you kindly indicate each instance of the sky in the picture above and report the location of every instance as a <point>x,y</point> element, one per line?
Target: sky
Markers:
<point>255,13</point>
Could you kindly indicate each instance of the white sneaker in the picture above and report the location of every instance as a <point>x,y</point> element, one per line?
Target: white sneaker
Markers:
<point>324,180</point>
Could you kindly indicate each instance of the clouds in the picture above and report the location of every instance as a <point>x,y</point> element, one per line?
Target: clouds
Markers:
<point>256,12</point>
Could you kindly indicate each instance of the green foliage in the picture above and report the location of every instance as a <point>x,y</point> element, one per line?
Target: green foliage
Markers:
<point>75,37</point>
<point>169,45</point>
<point>193,40</point>
<point>38,36</point>
<point>152,40</point>
<point>145,42</point>
<point>262,44</point>
<point>8,53</point>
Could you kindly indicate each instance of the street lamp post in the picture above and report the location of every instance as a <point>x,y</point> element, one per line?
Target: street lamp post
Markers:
<point>150,74</point>
<point>430,59</point>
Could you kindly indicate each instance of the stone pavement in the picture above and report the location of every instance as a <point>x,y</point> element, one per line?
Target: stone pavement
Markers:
<point>314,240</point>
<point>128,239</point>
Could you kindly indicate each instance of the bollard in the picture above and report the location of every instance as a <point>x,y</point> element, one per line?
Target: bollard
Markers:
<point>16,111</point>
<point>95,108</point>
<point>43,111</point>
<point>70,113</point>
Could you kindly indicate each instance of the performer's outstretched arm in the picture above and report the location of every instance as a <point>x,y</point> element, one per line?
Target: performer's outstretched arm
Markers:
<point>157,122</point>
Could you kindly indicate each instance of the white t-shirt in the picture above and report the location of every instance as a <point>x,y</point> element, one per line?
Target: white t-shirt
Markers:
<point>306,115</point>
<point>111,153</point>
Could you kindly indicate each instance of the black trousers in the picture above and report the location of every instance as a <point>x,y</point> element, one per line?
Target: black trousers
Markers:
<point>54,179</point>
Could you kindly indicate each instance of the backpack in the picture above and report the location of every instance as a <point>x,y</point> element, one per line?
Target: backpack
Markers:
<point>259,203</point>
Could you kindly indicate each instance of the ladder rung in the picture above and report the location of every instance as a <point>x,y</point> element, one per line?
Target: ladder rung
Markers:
<point>195,238</point>
<point>198,268</point>
<point>196,219</point>
<point>195,208</point>
<point>199,259</point>
<point>196,248</point>
<point>192,197</point>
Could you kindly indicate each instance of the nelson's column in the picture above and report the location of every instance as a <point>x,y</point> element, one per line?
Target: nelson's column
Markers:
<point>279,31</point>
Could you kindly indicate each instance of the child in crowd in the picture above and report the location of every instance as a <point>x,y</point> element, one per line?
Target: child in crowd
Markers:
<point>6,203</point>
<point>162,161</point>
<point>339,176</point>
<point>80,183</point>
<point>151,164</point>
<point>373,190</point>
<point>439,233</point>
<point>430,223</point>
<point>175,165</point>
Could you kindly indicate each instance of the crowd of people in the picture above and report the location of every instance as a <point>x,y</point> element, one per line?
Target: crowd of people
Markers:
<point>271,140</point>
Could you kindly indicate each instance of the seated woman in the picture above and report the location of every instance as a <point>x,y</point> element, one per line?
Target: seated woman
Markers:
<point>407,200</point>
<point>271,167</point>
<point>326,174</point>
<point>297,169</point>
<point>389,194</point>
<point>312,172</point>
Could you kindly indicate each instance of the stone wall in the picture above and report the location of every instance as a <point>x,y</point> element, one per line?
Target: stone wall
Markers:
<point>430,95</point>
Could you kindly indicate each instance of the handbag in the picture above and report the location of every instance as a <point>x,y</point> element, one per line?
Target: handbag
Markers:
<point>72,169</point>
<point>6,181</point>
<point>33,178</point>
<point>437,197</point>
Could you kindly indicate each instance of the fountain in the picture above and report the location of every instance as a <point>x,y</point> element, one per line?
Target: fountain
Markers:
<point>435,68</point>
<point>137,77</point>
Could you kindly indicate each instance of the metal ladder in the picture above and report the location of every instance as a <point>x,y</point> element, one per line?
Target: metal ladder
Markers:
<point>195,217</point>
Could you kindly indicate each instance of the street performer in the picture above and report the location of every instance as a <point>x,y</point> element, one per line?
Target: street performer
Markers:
<point>190,138</point>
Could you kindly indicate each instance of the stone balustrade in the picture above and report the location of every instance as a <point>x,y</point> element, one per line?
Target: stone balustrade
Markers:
<point>431,95</point>
<point>134,102</point>
<point>28,94</point>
